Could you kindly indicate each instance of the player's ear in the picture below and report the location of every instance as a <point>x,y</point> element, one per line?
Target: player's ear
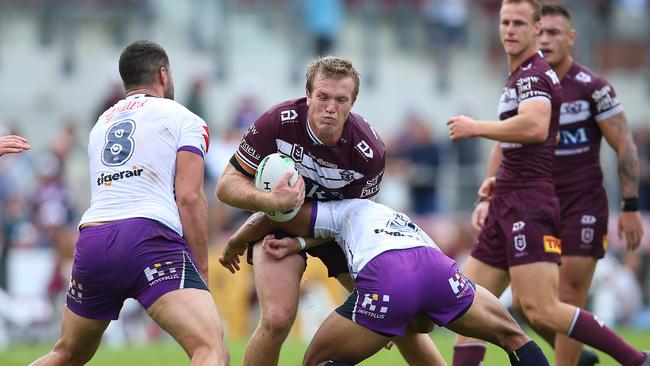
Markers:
<point>572,37</point>
<point>307,94</point>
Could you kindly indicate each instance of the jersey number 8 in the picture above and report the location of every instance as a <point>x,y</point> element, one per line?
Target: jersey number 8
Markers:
<point>119,143</point>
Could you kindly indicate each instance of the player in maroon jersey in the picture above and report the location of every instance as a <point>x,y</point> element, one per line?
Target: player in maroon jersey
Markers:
<point>519,239</point>
<point>590,110</point>
<point>338,155</point>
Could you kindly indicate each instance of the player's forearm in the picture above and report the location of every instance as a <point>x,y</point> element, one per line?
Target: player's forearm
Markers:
<point>628,168</point>
<point>193,210</point>
<point>238,191</point>
<point>519,129</point>
<point>254,229</point>
<point>494,161</point>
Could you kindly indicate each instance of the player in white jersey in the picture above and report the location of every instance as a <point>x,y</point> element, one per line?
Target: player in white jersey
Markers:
<point>145,233</point>
<point>399,273</point>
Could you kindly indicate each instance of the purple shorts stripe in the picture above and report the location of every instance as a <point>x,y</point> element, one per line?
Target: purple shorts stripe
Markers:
<point>191,149</point>
<point>398,285</point>
<point>134,258</point>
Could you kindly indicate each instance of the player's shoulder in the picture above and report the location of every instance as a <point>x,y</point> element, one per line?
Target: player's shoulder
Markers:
<point>585,77</point>
<point>364,137</point>
<point>176,109</point>
<point>287,111</point>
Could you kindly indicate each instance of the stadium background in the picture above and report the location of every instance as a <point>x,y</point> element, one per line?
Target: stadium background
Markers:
<point>421,61</point>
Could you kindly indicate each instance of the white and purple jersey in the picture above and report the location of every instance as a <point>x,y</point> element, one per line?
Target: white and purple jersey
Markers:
<point>364,229</point>
<point>132,153</point>
<point>351,169</point>
<point>587,99</point>
<point>525,165</point>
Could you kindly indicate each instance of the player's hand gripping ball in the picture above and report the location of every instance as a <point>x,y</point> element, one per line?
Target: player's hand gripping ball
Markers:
<point>269,173</point>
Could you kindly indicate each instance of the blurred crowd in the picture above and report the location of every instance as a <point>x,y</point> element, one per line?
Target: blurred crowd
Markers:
<point>43,192</point>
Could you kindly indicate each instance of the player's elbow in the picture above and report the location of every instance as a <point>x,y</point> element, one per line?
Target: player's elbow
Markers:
<point>538,135</point>
<point>188,199</point>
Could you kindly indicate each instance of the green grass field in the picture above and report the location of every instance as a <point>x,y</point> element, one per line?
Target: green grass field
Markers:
<point>169,353</point>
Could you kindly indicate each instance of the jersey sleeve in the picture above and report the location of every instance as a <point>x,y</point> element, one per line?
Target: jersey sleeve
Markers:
<point>534,84</point>
<point>258,140</point>
<point>603,100</point>
<point>194,136</point>
<point>324,218</point>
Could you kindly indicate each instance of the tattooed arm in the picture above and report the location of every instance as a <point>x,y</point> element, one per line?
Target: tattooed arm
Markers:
<point>617,133</point>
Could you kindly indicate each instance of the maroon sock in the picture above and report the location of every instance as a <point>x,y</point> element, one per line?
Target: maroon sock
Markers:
<point>468,354</point>
<point>589,330</point>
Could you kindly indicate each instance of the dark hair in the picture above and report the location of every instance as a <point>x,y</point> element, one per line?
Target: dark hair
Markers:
<point>555,9</point>
<point>139,63</point>
<point>537,8</point>
<point>332,67</point>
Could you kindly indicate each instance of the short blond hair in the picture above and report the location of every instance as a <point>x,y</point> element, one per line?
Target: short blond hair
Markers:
<point>537,7</point>
<point>332,67</point>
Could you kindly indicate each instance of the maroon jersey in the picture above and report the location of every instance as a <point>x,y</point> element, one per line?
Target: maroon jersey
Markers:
<point>351,169</point>
<point>524,165</point>
<point>587,99</point>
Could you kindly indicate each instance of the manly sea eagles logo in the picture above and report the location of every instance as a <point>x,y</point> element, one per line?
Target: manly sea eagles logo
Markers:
<point>346,175</point>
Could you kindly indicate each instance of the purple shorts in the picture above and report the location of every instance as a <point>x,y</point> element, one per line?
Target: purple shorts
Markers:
<point>133,258</point>
<point>521,227</point>
<point>330,254</point>
<point>398,285</point>
<point>584,222</point>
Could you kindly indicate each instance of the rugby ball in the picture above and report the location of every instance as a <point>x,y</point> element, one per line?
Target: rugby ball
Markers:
<point>269,173</point>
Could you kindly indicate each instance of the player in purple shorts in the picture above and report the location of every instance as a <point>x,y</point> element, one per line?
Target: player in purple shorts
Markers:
<point>519,240</point>
<point>590,110</point>
<point>399,273</point>
<point>338,155</point>
<point>144,235</point>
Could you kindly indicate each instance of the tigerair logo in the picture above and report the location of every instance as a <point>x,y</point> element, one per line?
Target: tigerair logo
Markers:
<point>108,179</point>
<point>552,244</point>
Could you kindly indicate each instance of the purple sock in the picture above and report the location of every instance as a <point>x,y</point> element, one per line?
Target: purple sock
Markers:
<point>589,330</point>
<point>468,354</point>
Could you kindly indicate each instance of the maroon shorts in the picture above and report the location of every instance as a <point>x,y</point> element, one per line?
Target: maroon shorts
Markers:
<point>522,226</point>
<point>584,217</point>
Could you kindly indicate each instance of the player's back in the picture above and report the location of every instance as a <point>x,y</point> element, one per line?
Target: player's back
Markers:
<point>365,229</point>
<point>132,154</point>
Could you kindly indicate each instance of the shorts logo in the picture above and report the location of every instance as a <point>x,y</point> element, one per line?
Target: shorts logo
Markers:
<point>552,244</point>
<point>158,274</point>
<point>369,308</point>
<point>518,226</point>
<point>520,242</point>
<point>74,291</point>
<point>588,220</point>
<point>587,235</point>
